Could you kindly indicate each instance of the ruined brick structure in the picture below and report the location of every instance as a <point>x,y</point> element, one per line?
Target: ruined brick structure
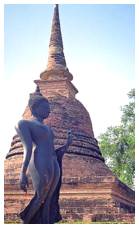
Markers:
<point>90,191</point>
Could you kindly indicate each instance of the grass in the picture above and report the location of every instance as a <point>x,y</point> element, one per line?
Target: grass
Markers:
<point>76,222</point>
<point>86,222</point>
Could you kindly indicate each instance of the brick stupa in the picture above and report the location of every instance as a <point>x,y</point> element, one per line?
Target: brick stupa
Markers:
<point>90,191</point>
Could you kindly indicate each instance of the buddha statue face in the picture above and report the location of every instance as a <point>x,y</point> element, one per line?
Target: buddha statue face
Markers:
<point>39,107</point>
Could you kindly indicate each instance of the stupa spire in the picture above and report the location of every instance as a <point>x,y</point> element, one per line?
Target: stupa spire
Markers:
<point>56,55</point>
<point>56,65</point>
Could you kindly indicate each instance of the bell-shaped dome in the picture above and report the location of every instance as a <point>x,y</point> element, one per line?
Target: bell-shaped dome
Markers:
<point>66,113</point>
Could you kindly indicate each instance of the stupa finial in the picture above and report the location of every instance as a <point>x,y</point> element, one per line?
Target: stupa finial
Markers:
<point>56,55</point>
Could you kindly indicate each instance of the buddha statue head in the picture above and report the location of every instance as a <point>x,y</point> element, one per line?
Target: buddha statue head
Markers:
<point>39,105</point>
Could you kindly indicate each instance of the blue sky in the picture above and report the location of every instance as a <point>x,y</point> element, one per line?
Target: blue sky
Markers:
<point>99,50</point>
<point>101,31</point>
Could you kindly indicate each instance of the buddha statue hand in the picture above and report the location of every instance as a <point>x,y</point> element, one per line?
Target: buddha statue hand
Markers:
<point>69,138</point>
<point>61,150</point>
<point>24,182</point>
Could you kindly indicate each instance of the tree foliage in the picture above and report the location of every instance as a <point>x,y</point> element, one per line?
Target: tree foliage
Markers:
<point>118,144</point>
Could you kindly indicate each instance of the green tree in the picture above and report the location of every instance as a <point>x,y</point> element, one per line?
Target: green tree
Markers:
<point>118,144</point>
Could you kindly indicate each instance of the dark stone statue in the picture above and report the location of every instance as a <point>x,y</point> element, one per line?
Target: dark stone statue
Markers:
<point>54,207</point>
<point>42,162</point>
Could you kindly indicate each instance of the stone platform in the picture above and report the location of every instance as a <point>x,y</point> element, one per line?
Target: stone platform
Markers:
<point>92,194</point>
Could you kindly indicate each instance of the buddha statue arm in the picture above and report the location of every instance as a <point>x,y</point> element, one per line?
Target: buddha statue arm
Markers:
<point>61,150</point>
<point>25,136</point>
